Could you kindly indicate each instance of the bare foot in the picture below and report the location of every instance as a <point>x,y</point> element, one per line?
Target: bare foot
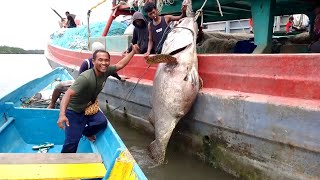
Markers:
<point>92,138</point>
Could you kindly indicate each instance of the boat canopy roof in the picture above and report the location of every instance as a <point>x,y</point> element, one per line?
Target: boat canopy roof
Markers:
<point>238,9</point>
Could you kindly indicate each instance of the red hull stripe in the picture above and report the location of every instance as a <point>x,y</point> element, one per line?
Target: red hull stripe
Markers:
<point>286,75</point>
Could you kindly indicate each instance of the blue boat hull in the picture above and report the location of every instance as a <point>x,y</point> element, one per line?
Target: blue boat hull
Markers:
<point>23,128</point>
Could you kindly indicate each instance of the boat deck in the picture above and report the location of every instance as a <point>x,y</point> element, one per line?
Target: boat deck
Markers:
<point>51,166</point>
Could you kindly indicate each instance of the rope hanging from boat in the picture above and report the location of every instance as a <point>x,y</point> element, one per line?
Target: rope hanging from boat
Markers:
<point>168,2</point>
<point>219,8</point>
<point>131,91</point>
<point>88,20</point>
<point>97,5</point>
<point>241,26</point>
<point>199,12</point>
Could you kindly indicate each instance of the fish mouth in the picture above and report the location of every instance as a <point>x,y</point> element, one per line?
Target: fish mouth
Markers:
<point>178,40</point>
<point>178,50</point>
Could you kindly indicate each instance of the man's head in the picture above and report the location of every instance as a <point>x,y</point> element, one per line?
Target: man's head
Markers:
<point>139,23</point>
<point>101,60</point>
<point>291,18</point>
<point>138,20</point>
<point>151,10</point>
<point>67,13</point>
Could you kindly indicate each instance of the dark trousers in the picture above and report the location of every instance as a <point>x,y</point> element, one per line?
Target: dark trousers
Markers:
<point>81,125</point>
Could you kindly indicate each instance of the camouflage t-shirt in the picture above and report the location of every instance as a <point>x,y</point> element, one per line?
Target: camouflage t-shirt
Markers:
<point>87,86</point>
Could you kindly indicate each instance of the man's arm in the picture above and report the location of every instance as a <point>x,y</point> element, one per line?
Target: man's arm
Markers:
<point>150,42</point>
<point>124,61</point>
<point>170,18</point>
<point>63,107</point>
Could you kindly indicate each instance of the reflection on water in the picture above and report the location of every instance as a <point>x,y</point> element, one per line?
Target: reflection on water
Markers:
<point>16,70</point>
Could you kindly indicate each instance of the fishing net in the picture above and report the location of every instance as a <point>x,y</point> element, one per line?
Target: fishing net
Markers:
<point>220,42</point>
<point>36,101</point>
<point>302,38</point>
<point>76,38</point>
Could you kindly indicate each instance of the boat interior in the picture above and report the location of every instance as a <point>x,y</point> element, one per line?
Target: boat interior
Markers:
<point>261,12</point>
<point>26,131</point>
<point>23,126</point>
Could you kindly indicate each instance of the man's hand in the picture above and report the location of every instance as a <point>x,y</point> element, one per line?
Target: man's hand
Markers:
<point>135,48</point>
<point>184,10</point>
<point>147,54</point>
<point>124,53</point>
<point>62,121</point>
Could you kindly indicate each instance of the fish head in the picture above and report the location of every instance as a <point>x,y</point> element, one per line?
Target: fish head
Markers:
<point>182,36</point>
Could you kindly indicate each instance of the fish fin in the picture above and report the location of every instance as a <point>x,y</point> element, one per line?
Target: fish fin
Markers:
<point>157,151</point>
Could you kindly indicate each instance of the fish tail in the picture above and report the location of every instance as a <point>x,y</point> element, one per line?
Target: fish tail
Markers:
<point>157,151</point>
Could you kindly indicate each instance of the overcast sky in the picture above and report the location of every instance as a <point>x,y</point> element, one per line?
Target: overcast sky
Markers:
<point>28,23</point>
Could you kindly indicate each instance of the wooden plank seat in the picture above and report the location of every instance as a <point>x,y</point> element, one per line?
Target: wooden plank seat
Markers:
<point>51,166</point>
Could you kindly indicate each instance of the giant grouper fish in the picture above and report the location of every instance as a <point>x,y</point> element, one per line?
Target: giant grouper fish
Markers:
<point>175,85</point>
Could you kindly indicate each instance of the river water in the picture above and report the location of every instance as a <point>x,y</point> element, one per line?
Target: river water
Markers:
<point>19,69</point>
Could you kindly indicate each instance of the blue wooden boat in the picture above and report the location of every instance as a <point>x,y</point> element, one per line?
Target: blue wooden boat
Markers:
<point>23,129</point>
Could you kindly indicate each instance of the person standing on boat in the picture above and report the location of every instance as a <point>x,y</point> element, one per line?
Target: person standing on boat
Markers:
<point>62,87</point>
<point>158,26</point>
<point>140,33</point>
<point>289,24</point>
<point>85,89</point>
<point>70,20</point>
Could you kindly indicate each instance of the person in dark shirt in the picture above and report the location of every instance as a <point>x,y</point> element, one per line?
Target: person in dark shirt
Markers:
<point>140,33</point>
<point>158,26</point>
<point>73,117</point>
<point>70,21</point>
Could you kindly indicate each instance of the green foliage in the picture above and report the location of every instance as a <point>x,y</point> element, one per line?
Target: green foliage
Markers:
<point>16,50</point>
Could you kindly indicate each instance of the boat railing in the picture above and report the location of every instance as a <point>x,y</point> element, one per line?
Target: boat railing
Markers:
<point>6,123</point>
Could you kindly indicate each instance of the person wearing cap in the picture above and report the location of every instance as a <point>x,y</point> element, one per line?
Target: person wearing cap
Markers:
<point>62,87</point>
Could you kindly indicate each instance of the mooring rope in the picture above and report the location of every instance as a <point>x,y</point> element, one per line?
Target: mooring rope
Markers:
<point>219,8</point>
<point>200,11</point>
